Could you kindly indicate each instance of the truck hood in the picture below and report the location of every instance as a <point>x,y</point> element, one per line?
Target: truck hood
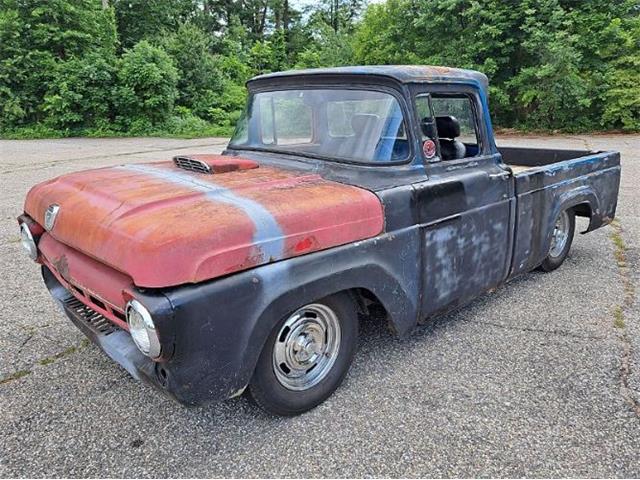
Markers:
<point>164,225</point>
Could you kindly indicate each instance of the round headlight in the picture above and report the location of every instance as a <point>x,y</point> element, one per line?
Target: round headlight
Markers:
<point>142,330</point>
<point>28,243</point>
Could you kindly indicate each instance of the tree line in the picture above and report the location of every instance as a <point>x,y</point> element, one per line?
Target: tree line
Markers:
<point>178,67</point>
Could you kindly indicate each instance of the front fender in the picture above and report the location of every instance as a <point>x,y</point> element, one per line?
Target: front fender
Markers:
<point>222,325</point>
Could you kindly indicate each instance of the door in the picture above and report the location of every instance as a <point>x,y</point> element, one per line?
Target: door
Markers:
<point>465,206</point>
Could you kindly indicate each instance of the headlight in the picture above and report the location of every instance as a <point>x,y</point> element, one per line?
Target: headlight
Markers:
<point>28,243</point>
<point>142,329</point>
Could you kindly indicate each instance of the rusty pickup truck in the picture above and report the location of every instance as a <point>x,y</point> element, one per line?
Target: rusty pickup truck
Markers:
<point>344,192</point>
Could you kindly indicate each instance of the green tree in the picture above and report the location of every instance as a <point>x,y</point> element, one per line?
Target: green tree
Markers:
<point>149,19</point>
<point>82,92</point>
<point>552,64</point>
<point>141,65</point>
<point>549,89</point>
<point>199,72</point>
<point>147,86</point>
<point>622,96</point>
<point>326,49</point>
<point>35,38</point>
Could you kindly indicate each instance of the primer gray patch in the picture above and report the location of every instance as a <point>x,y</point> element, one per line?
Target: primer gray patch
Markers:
<point>268,236</point>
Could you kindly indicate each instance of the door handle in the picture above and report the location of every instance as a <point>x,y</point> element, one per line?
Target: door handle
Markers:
<point>499,175</point>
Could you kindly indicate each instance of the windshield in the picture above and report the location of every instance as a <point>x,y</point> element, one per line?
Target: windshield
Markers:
<point>353,125</point>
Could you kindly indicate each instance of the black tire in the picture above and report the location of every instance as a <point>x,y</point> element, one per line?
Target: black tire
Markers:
<point>269,393</point>
<point>553,261</point>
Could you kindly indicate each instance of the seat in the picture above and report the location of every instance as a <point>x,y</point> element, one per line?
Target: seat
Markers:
<point>448,130</point>
<point>361,145</point>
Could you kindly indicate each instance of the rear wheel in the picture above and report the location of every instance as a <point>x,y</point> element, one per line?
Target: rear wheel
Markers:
<point>561,240</point>
<point>306,356</point>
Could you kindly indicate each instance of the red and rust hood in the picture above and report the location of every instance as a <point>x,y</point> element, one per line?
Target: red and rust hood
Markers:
<point>163,225</point>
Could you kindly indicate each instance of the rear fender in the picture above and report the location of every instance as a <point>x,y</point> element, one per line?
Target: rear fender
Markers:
<point>581,195</point>
<point>584,194</point>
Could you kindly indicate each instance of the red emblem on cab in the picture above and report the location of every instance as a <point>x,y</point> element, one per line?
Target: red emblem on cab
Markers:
<point>429,148</point>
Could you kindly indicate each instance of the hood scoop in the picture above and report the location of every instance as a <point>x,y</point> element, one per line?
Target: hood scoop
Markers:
<point>210,164</point>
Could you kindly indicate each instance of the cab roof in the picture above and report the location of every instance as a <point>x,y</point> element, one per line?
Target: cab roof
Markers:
<point>400,73</point>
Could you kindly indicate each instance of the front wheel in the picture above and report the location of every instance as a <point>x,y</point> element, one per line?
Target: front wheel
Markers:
<point>561,240</point>
<point>306,357</point>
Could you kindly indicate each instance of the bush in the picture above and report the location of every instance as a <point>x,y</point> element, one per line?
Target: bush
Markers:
<point>622,108</point>
<point>225,108</point>
<point>199,72</point>
<point>147,86</point>
<point>552,94</point>
<point>82,92</point>
<point>31,132</point>
<point>185,124</point>
<point>35,37</point>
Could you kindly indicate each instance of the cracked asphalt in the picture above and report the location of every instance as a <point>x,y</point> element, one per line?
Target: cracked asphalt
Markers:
<point>540,378</point>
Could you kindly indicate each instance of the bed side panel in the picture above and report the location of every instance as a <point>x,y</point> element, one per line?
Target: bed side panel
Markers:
<point>543,193</point>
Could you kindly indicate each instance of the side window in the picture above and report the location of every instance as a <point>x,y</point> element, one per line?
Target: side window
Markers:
<point>427,127</point>
<point>456,125</point>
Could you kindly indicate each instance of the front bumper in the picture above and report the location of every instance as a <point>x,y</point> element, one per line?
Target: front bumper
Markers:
<point>114,341</point>
<point>210,340</point>
<point>204,351</point>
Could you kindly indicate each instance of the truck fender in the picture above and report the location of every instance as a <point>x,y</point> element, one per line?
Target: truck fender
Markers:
<point>582,195</point>
<point>569,199</point>
<point>400,304</point>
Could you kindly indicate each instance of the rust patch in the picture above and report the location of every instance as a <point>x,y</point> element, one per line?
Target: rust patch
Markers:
<point>62,267</point>
<point>305,244</point>
<point>253,259</point>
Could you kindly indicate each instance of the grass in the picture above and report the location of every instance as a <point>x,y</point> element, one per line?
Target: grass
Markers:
<point>175,127</point>
<point>620,254</point>
<point>15,376</point>
<point>620,248</point>
<point>46,361</point>
<point>66,352</point>
<point>618,318</point>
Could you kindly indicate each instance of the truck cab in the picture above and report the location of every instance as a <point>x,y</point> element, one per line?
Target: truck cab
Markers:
<point>344,192</point>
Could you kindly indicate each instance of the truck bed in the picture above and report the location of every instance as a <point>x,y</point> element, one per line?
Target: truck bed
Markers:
<point>523,159</point>
<point>548,180</point>
<point>539,168</point>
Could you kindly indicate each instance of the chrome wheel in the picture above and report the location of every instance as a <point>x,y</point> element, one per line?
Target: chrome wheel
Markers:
<point>306,347</point>
<point>560,234</point>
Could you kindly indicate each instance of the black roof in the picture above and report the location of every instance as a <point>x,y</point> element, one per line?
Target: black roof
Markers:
<point>401,73</point>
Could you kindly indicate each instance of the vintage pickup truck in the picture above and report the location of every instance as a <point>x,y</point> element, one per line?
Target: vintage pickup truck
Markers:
<point>344,192</point>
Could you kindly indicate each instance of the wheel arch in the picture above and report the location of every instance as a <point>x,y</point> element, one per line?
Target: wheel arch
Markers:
<point>222,325</point>
<point>583,201</point>
<point>363,283</point>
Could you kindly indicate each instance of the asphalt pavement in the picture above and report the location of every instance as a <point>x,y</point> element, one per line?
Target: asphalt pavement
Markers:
<point>539,378</point>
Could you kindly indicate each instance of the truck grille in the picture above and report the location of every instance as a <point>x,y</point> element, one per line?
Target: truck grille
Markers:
<point>92,318</point>
<point>191,164</point>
